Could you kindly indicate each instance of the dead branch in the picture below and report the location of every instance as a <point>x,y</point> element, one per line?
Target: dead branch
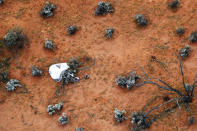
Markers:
<point>182,73</point>
<point>157,107</point>
<point>169,88</point>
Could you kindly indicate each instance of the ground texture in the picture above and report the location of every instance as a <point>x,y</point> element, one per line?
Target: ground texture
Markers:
<point>90,103</point>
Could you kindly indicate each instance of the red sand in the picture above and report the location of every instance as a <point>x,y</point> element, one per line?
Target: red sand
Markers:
<point>90,103</point>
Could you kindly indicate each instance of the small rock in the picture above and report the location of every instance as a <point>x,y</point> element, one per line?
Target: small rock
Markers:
<point>12,84</point>
<point>193,37</point>
<point>71,30</point>
<point>63,119</point>
<point>141,20</point>
<point>109,33</point>
<point>119,115</point>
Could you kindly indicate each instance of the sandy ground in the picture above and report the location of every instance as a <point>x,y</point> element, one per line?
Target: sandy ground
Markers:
<point>90,103</point>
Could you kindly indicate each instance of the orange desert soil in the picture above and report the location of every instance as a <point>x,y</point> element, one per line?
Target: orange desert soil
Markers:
<point>90,103</point>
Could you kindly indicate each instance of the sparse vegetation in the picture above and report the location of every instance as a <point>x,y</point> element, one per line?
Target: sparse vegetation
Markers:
<point>109,33</point>
<point>142,120</point>
<point>191,120</point>
<point>74,64</point>
<point>63,120</point>
<point>1,1</point>
<point>103,8</point>
<point>185,52</point>
<point>86,77</point>
<point>14,39</point>
<point>193,37</point>
<point>153,43</point>
<point>180,31</point>
<point>12,85</point>
<point>69,77</point>
<point>119,115</point>
<point>141,20</point>
<point>174,4</point>
<point>36,71</point>
<point>128,81</point>
<point>71,30</point>
<point>49,44</point>
<point>4,76</point>
<point>52,109</point>
<point>4,70</point>
<point>79,129</point>
<point>47,10</point>
<point>139,121</point>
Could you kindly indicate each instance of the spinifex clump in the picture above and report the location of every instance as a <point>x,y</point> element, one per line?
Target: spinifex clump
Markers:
<point>12,84</point>
<point>141,20</point>
<point>119,115</point>
<point>109,33</point>
<point>191,120</point>
<point>63,119</point>
<point>51,109</point>
<point>70,75</point>
<point>103,8</point>
<point>36,71</point>
<point>185,52</point>
<point>193,37</point>
<point>14,38</point>
<point>139,121</point>
<point>86,76</point>
<point>180,31</point>
<point>47,10</point>
<point>174,4</point>
<point>49,44</point>
<point>71,30</point>
<point>128,81</point>
<point>74,64</point>
<point>79,129</point>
